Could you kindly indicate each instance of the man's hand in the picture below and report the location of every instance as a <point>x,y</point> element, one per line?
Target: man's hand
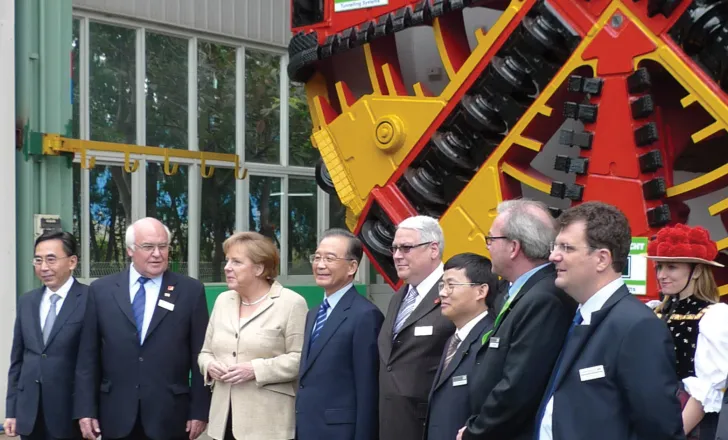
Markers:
<point>239,373</point>
<point>460,433</point>
<point>195,428</point>
<point>216,370</point>
<point>89,428</point>
<point>9,427</point>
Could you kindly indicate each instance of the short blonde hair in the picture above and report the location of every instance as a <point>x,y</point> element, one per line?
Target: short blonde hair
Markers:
<point>259,249</point>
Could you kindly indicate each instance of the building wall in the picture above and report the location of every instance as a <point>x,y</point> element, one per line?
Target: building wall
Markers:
<point>264,21</point>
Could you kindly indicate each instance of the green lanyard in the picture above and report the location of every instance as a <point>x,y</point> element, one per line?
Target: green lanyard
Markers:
<point>499,318</point>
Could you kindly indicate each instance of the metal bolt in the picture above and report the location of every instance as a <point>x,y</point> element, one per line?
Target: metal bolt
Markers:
<point>616,20</point>
<point>385,131</point>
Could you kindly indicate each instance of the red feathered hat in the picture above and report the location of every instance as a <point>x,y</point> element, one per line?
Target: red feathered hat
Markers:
<point>683,244</point>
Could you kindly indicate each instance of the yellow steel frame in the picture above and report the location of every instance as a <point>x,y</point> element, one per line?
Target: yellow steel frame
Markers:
<point>55,144</point>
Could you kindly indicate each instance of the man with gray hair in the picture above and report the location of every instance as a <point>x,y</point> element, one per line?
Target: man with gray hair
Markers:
<point>517,356</point>
<point>414,331</point>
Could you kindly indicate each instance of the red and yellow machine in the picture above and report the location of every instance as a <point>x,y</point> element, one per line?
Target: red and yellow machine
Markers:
<point>648,79</point>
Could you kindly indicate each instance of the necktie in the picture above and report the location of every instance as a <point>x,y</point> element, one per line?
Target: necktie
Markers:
<point>138,304</point>
<point>50,318</point>
<point>499,318</point>
<point>451,349</point>
<point>320,320</point>
<point>555,372</point>
<point>405,310</point>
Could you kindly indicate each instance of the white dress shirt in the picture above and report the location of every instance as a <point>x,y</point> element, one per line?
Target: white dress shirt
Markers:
<point>466,329</point>
<point>428,283</point>
<point>152,288</point>
<point>45,301</point>
<point>592,305</point>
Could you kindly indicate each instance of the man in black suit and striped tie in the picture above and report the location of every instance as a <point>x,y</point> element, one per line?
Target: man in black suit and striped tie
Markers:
<point>414,331</point>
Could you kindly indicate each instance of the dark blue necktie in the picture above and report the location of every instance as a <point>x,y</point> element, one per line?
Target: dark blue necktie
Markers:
<point>320,320</point>
<point>555,374</point>
<point>137,306</point>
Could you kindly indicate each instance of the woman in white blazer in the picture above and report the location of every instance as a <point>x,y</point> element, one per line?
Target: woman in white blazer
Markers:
<point>253,346</point>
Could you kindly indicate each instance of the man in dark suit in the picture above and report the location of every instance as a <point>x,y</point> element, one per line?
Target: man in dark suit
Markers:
<point>514,361</point>
<point>45,345</point>
<point>337,395</point>
<point>414,331</point>
<point>143,330</point>
<point>615,377</point>
<point>722,432</point>
<point>467,292</point>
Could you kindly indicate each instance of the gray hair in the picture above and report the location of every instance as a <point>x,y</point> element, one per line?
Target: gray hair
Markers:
<point>524,225</point>
<point>428,228</point>
<point>129,237</point>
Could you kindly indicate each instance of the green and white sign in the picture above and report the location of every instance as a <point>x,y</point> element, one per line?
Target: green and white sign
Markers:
<point>350,5</point>
<point>635,273</point>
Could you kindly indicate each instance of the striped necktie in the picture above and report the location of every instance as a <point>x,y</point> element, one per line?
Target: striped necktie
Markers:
<point>451,349</point>
<point>137,306</point>
<point>405,310</point>
<point>320,320</point>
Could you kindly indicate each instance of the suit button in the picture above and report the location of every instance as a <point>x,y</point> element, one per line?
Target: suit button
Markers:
<point>233,354</point>
<point>37,381</point>
<point>236,336</point>
<point>136,386</point>
<point>43,356</point>
<point>141,359</point>
<point>389,368</point>
<point>300,386</point>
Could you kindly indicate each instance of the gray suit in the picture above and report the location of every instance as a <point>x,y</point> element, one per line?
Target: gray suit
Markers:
<point>722,433</point>
<point>408,365</point>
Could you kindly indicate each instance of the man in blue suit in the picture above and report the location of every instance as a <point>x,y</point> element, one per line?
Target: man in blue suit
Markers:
<point>468,292</point>
<point>45,345</point>
<point>338,392</point>
<point>143,330</point>
<point>615,377</point>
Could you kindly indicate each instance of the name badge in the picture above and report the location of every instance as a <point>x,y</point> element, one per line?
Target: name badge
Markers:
<point>592,373</point>
<point>424,330</point>
<point>166,305</point>
<point>494,343</point>
<point>458,381</point>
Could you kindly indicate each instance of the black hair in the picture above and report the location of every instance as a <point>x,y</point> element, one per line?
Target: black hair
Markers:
<point>67,240</point>
<point>355,250</point>
<point>478,269</point>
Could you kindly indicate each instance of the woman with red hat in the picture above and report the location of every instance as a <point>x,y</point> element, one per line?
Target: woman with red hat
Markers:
<point>697,320</point>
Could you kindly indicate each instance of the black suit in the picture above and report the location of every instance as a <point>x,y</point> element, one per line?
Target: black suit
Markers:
<point>512,370</point>
<point>722,433</point>
<point>118,380</point>
<point>42,374</point>
<point>449,407</point>
<point>635,398</point>
<point>337,396</point>
<point>408,366</point>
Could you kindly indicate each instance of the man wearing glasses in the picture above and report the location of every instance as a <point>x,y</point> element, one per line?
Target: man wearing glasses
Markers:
<point>414,332</point>
<point>45,345</point>
<point>143,330</point>
<point>337,395</point>
<point>467,293</point>
<point>515,359</point>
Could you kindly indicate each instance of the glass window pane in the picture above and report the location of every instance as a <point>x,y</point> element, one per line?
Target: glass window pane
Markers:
<point>77,213</point>
<point>301,152</point>
<point>265,207</point>
<point>110,195</point>
<point>216,97</point>
<point>218,223</point>
<point>302,196</point>
<point>112,76</point>
<point>167,201</point>
<point>75,89</point>
<point>262,112</point>
<point>166,89</point>
<point>337,213</point>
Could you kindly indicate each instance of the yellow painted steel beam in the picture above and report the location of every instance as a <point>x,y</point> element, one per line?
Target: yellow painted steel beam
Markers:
<point>55,144</point>
<point>718,207</point>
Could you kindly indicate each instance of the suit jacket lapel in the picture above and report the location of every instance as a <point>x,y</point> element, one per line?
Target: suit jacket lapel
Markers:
<point>582,333</point>
<point>169,281</point>
<point>388,325</point>
<point>424,307</point>
<point>37,296</point>
<point>69,306</point>
<point>337,317</point>
<point>310,321</point>
<point>470,343</point>
<point>121,295</point>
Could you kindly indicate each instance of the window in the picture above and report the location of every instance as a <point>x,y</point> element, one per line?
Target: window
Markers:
<point>302,207</point>
<point>262,109</point>
<point>265,207</point>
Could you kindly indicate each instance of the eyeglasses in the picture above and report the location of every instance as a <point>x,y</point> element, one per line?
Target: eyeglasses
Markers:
<point>489,239</point>
<point>50,260</point>
<point>448,287</point>
<point>406,248</point>
<point>149,247</point>
<point>327,259</point>
<point>566,248</point>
